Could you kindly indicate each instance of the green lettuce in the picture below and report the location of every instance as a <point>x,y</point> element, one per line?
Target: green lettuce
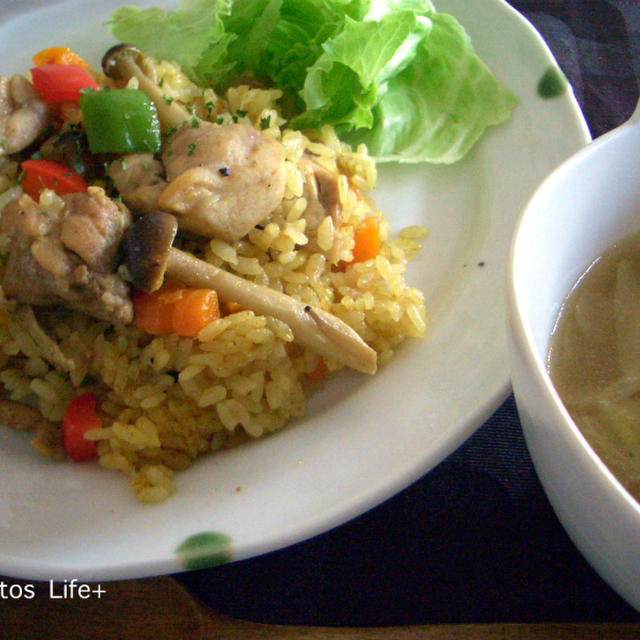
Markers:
<point>193,35</point>
<point>439,105</point>
<point>395,75</point>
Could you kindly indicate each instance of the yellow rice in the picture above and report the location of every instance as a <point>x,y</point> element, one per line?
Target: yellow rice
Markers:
<point>170,399</point>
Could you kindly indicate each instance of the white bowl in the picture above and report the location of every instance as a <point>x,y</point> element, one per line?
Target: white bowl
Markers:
<point>584,206</point>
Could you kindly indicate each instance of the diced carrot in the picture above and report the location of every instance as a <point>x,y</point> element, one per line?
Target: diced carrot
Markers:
<point>175,309</point>
<point>227,307</point>
<point>194,311</point>
<point>366,240</point>
<point>170,292</point>
<point>319,373</point>
<point>59,55</point>
<point>366,243</point>
<point>151,314</point>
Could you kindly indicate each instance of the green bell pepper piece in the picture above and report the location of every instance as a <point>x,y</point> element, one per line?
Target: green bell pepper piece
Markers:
<point>120,121</point>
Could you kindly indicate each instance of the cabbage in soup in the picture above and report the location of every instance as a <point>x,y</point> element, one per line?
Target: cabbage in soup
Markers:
<point>594,358</point>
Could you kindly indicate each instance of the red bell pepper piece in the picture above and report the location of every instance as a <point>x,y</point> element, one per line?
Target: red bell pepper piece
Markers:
<point>46,174</point>
<point>61,82</point>
<point>81,416</point>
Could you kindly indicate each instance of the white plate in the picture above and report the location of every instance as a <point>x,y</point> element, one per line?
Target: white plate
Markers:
<point>363,438</point>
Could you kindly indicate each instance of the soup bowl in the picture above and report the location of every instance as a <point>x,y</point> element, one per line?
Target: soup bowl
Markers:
<point>582,208</point>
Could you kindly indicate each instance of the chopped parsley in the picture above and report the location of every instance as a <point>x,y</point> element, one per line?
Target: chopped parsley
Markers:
<point>265,122</point>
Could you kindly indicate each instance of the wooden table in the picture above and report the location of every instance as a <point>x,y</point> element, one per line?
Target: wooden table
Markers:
<point>161,609</point>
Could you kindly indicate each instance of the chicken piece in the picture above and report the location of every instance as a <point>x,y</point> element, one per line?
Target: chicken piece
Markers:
<point>223,180</point>
<point>322,194</point>
<point>23,115</point>
<point>25,279</point>
<point>23,215</point>
<point>139,180</point>
<point>92,227</point>
<point>43,270</point>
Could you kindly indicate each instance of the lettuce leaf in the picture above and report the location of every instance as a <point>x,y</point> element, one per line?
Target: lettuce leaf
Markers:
<point>395,75</point>
<point>438,106</point>
<point>193,35</point>
<point>341,88</point>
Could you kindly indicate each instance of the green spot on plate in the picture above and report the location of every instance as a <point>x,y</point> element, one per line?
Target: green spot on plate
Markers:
<point>206,549</point>
<point>552,83</point>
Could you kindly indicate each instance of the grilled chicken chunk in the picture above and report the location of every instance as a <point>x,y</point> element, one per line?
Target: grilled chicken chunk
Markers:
<point>23,115</point>
<point>139,180</point>
<point>322,194</point>
<point>92,227</point>
<point>223,180</point>
<point>67,257</point>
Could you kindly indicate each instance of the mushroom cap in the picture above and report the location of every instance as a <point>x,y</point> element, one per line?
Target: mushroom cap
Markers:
<point>147,245</point>
<point>113,59</point>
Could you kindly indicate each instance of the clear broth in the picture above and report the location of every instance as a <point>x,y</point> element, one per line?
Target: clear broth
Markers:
<point>594,358</point>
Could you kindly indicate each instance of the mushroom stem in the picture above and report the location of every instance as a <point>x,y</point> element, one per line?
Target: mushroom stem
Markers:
<point>170,112</point>
<point>120,62</point>
<point>314,328</point>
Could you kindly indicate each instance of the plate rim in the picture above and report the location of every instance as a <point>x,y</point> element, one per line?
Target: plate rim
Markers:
<point>341,513</point>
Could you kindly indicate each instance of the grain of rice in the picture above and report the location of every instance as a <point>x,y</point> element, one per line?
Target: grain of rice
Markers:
<point>231,413</point>
<point>224,251</point>
<point>325,234</point>
<point>293,180</point>
<point>294,144</point>
<point>284,244</point>
<point>247,266</point>
<point>274,270</point>
<point>44,390</point>
<point>116,461</point>
<point>321,150</point>
<point>413,232</point>
<point>295,231</point>
<point>190,371</point>
<point>152,401</point>
<point>296,210</point>
<point>295,277</point>
<point>419,325</point>
<point>213,330</point>
<point>212,396</point>
<point>140,435</point>
<point>286,257</point>
<point>331,140</point>
<point>36,367</point>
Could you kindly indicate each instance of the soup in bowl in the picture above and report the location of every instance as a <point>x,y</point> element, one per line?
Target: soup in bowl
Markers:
<point>584,208</point>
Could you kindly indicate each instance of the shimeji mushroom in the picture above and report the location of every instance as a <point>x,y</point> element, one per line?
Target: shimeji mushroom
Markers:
<point>150,256</point>
<point>123,62</point>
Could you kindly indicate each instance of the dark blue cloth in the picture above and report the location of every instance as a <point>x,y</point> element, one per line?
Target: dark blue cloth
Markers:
<point>475,540</point>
